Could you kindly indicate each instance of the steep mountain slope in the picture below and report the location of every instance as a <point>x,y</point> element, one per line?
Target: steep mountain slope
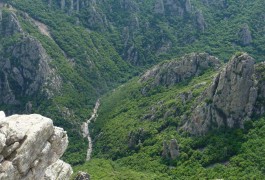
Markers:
<point>146,124</point>
<point>144,32</point>
<point>57,57</point>
<point>38,76</point>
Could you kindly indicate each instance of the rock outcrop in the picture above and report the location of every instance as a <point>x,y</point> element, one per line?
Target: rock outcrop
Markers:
<point>136,137</point>
<point>9,24</point>
<point>82,176</point>
<point>58,170</point>
<point>24,66</point>
<point>201,24</point>
<point>230,100</point>
<point>245,36</point>
<point>159,7</point>
<point>260,75</point>
<point>170,151</point>
<point>173,72</point>
<point>29,144</point>
<point>172,7</point>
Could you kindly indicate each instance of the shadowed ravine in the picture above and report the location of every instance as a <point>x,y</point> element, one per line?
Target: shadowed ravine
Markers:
<point>85,130</point>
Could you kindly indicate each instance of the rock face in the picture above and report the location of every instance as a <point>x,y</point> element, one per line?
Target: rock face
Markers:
<point>9,24</point>
<point>260,74</point>
<point>28,145</point>
<point>159,7</point>
<point>136,138</point>
<point>82,176</point>
<point>172,150</point>
<point>230,100</point>
<point>172,7</point>
<point>58,170</point>
<point>245,35</point>
<point>201,24</point>
<point>24,66</point>
<point>173,72</point>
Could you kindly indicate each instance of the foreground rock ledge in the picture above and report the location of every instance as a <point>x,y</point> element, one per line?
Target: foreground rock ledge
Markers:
<point>30,148</point>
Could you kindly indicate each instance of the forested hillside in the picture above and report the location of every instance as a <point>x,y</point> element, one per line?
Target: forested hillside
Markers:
<point>159,94</point>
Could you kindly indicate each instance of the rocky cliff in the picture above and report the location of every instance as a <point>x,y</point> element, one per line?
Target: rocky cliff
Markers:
<point>231,99</point>
<point>30,148</point>
<point>173,72</point>
<point>25,66</point>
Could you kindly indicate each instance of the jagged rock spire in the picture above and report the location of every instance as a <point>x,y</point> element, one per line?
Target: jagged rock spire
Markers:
<point>230,99</point>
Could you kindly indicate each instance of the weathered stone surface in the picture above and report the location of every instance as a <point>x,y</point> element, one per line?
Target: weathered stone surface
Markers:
<point>97,19</point>
<point>26,71</point>
<point>159,7</point>
<point>173,149</point>
<point>170,151</point>
<point>2,115</point>
<point>165,153</point>
<point>173,72</point>
<point>9,24</point>
<point>28,145</point>
<point>260,103</point>
<point>201,24</point>
<point>58,171</point>
<point>230,100</point>
<point>136,138</point>
<point>172,7</point>
<point>82,176</point>
<point>245,35</point>
<point>129,5</point>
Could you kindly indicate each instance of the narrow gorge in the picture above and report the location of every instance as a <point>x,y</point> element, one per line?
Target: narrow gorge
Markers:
<point>85,129</point>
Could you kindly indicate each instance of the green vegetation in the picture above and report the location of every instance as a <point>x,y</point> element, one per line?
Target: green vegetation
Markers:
<point>88,65</point>
<point>151,119</point>
<point>94,58</point>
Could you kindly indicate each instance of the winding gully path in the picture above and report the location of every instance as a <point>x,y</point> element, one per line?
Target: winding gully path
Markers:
<point>85,130</point>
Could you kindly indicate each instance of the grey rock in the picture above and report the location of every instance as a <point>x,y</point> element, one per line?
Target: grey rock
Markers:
<point>30,71</point>
<point>165,153</point>
<point>2,115</point>
<point>1,15</point>
<point>245,35</point>
<point>77,6</point>
<point>58,171</point>
<point>129,6</point>
<point>136,137</point>
<point>173,72</point>
<point>62,4</point>
<point>188,6</point>
<point>201,24</point>
<point>172,150</point>
<point>49,3</point>
<point>9,24</point>
<point>82,176</point>
<point>159,7</point>
<point>185,97</point>
<point>230,100</point>
<point>36,144</point>
<point>27,70</point>
<point>71,6</point>
<point>97,19</point>
<point>260,103</point>
<point>9,149</point>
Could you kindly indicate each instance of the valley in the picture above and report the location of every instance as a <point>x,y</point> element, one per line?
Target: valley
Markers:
<point>155,89</point>
<point>85,130</point>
